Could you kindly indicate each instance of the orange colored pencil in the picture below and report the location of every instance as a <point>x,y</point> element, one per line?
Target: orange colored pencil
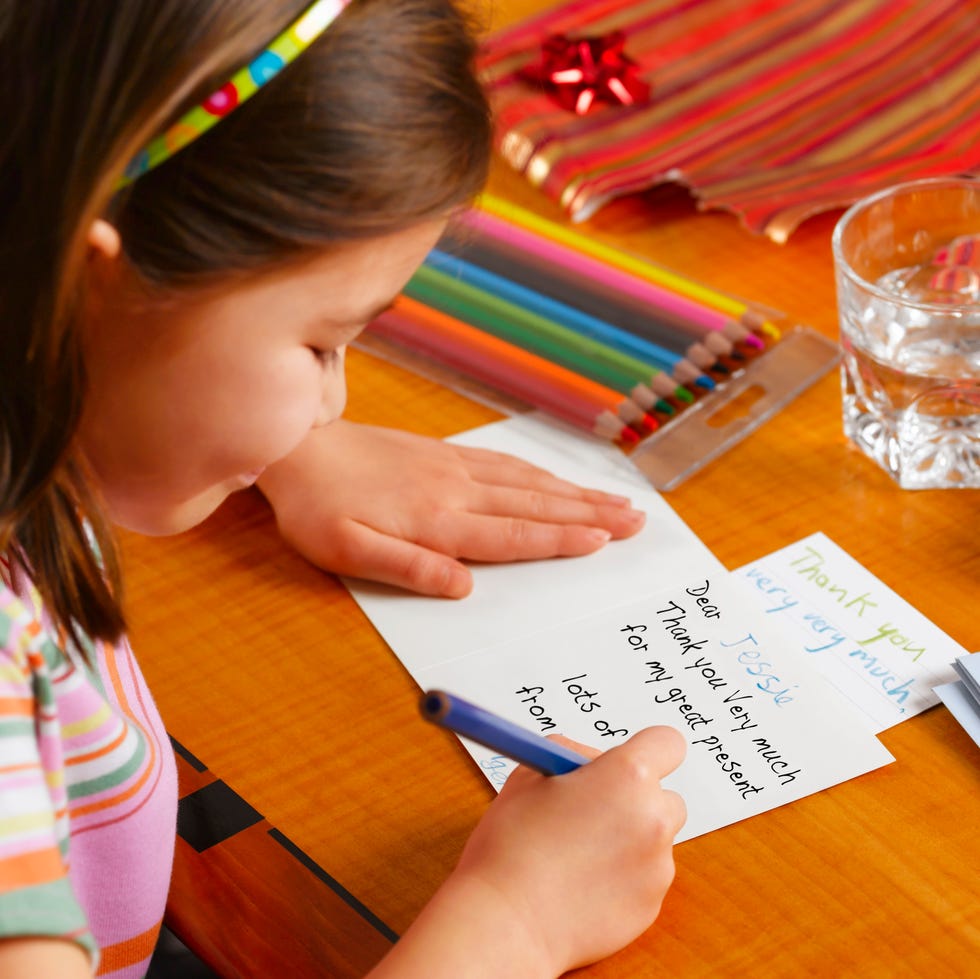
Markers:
<point>519,373</point>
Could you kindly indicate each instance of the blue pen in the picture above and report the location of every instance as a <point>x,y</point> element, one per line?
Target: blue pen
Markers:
<point>498,734</point>
<point>567,316</point>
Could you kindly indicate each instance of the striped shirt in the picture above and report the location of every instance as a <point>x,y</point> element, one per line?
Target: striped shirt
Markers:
<point>88,794</point>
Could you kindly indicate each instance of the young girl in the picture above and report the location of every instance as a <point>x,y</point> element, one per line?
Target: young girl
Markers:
<point>185,259</point>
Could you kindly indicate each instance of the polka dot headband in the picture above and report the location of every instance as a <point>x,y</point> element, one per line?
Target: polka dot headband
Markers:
<point>291,43</point>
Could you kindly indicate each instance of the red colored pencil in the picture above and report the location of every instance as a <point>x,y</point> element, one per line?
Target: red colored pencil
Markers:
<point>519,373</point>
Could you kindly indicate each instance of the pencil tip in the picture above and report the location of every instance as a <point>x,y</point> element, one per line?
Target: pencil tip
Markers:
<point>628,435</point>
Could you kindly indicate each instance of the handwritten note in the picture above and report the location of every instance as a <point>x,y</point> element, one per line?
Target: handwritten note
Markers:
<point>877,650</point>
<point>763,728</point>
<point>650,630</point>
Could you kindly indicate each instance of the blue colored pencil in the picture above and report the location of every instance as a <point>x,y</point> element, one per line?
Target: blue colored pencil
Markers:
<point>702,346</point>
<point>681,369</point>
<point>498,734</point>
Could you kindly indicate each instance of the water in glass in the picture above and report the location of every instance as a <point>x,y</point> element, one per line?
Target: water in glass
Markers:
<point>911,370</point>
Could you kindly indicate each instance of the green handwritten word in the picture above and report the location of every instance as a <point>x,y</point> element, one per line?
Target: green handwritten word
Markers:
<point>811,568</point>
<point>891,633</point>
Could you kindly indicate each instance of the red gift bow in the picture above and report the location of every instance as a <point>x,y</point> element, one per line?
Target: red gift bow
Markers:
<point>579,71</point>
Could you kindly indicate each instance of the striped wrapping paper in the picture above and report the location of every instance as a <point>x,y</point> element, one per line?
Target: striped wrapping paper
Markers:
<point>773,109</point>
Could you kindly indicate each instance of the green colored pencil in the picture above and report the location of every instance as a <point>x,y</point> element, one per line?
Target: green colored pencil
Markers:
<point>617,370</point>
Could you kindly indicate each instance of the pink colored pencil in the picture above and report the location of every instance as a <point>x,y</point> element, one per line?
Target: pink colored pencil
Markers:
<point>679,309</point>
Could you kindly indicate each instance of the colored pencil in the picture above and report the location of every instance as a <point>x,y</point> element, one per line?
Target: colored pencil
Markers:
<point>683,370</point>
<point>670,307</point>
<point>498,734</point>
<point>514,371</point>
<point>589,295</point>
<point>672,281</point>
<point>544,337</point>
<point>510,368</point>
<point>679,367</point>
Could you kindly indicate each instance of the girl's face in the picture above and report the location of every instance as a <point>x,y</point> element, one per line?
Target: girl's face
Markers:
<point>191,399</point>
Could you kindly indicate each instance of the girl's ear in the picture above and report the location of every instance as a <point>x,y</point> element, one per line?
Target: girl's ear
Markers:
<point>103,240</point>
<point>103,269</point>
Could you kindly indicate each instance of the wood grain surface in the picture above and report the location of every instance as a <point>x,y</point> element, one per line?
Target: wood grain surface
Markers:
<point>274,683</point>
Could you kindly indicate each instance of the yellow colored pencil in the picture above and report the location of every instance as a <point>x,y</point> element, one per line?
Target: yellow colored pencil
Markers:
<point>628,263</point>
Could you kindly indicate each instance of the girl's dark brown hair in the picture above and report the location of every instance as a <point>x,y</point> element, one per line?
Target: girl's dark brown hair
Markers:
<point>379,125</point>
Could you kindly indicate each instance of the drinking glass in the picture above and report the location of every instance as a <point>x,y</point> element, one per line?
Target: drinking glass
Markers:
<point>907,265</point>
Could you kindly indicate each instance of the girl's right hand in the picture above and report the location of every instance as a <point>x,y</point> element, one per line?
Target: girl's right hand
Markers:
<point>584,859</point>
<point>560,872</point>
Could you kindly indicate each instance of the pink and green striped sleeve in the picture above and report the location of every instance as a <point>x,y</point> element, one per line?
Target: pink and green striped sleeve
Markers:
<point>88,793</point>
<point>36,894</point>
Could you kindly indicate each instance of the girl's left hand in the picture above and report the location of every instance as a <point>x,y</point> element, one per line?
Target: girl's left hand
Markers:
<point>403,509</point>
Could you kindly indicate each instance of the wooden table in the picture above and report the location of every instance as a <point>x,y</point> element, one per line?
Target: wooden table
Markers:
<point>325,814</point>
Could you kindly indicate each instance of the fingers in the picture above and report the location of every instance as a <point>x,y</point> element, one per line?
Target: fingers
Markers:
<point>544,507</point>
<point>361,552</point>
<point>429,566</point>
<point>616,820</point>
<point>660,747</point>
<point>647,758</point>
<point>522,776</point>
<point>640,764</point>
<point>583,749</point>
<point>493,539</point>
<point>636,767</point>
<point>656,751</point>
<point>496,539</point>
<point>500,469</point>
<point>664,747</point>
